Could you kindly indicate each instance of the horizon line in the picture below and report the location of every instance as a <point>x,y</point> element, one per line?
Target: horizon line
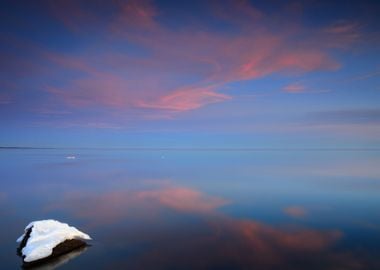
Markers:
<point>247,149</point>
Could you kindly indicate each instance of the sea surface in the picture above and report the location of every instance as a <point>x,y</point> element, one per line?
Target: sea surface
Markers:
<point>198,209</point>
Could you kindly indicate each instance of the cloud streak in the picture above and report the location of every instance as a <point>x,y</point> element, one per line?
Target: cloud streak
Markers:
<point>185,99</point>
<point>347,116</point>
<point>213,58</point>
<point>137,62</point>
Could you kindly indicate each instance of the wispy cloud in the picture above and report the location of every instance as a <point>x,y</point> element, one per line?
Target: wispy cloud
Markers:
<point>347,116</point>
<point>129,59</point>
<point>216,58</point>
<point>295,211</point>
<point>185,99</point>
<point>294,88</point>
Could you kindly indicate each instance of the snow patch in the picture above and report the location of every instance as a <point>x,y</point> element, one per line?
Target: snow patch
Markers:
<point>46,235</point>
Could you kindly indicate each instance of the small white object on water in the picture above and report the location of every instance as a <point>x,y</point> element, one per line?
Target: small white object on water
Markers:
<point>71,157</point>
<point>46,235</point>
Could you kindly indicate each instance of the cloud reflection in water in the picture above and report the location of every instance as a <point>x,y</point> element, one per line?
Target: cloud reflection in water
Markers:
<point>181,227</point>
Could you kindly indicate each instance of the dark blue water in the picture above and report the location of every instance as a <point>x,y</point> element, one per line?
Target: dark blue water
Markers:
<point>198,209</point>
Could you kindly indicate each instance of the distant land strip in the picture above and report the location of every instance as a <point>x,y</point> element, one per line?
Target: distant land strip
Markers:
<point>233,149</point>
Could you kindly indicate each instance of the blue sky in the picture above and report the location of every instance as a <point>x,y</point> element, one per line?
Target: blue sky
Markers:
<point>196,74</point>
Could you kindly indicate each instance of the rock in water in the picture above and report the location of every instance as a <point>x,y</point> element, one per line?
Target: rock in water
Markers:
<point>46,239</point>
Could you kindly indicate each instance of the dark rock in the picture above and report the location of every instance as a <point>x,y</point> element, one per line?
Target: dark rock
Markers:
<point>24,241</point>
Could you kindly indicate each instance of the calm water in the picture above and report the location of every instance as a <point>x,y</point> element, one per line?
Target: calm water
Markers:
<point>198,209</point>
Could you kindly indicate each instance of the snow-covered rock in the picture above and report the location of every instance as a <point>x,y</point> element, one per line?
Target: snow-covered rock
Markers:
<point>41,237</point>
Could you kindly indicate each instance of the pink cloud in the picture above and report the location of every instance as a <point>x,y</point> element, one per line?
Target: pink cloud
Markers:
<point>294,88</point>
<point>306,60</point>
<point>341,34</point>
<point>342,27</point>
<point>158,80</point>
<point>105,90</point>
<point>295,211</point>
<point>136,13</point>
<point>185,99</point>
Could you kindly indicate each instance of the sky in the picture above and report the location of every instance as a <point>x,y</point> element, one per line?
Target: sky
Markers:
<point>207,74</point>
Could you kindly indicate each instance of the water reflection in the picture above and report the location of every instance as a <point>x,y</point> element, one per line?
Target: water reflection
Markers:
<point>114,206</point>
<point>57,262</point>
<point>200,210</point>
<point>207,239</point>
<point>295,211</point>
<point>231,244</point>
